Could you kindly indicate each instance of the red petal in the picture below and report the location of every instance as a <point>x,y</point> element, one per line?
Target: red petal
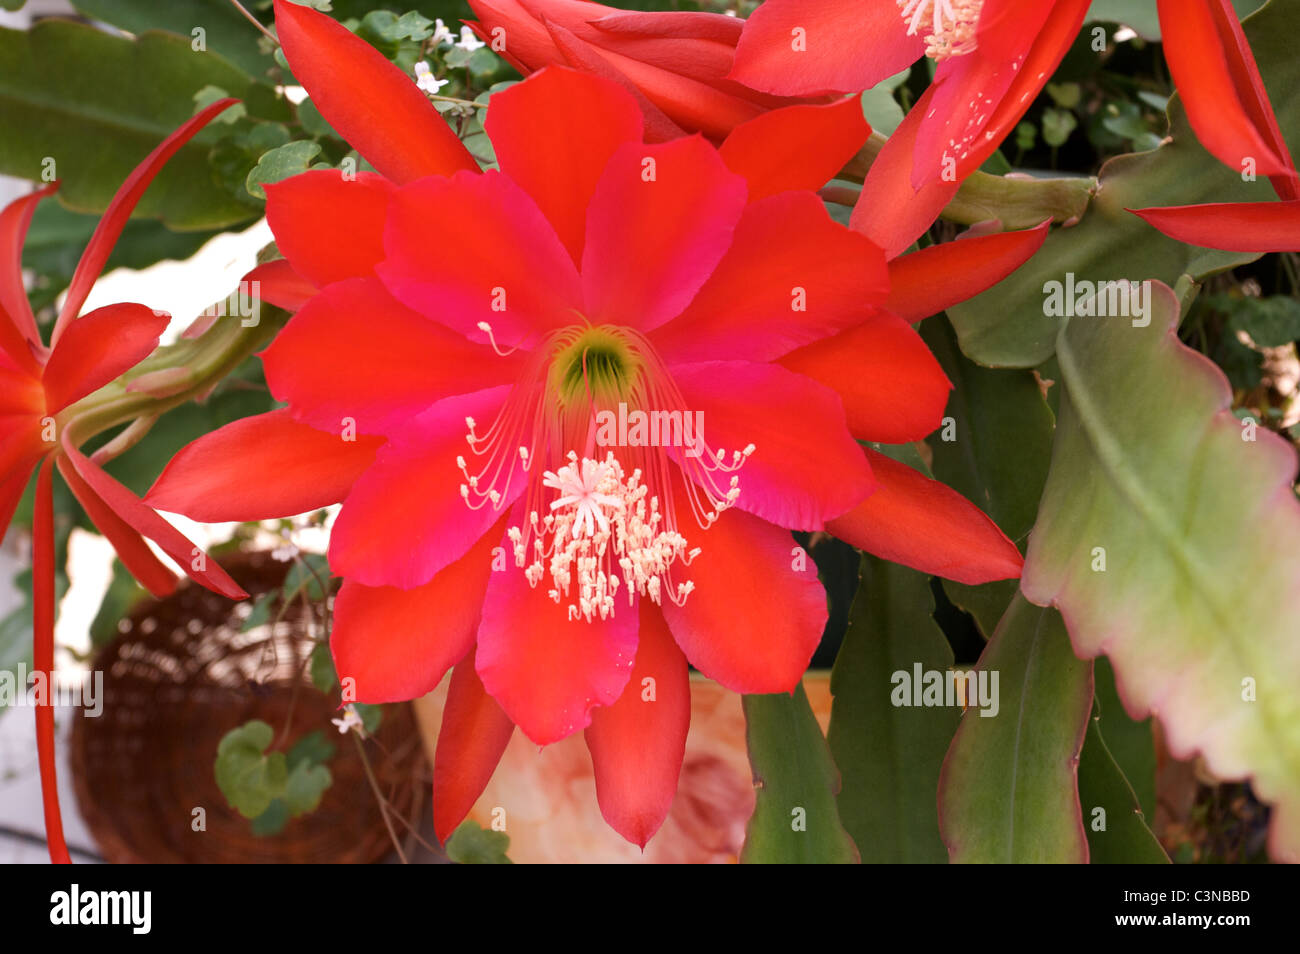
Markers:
<point>278,284</point>
<point>554,134</point>
<point>43,657</point>
<point>1233,226</point>
<point>758,610</point>
<point>660,221</point>
<point>119,210</point>
<point>373,105</point>
<point>510,270</point>
<point>583,56</point>
<point>849,47</point>
<point>927,281</point>
<point>131,548</point>
<point>297,468</point>
<point>17,323</point>
<point>1221,89</point>
<point>145,521</point>
<point>638,743</point>
<point>379,373</point>
<point>98,347</point>
<point>797,147</point>
<point>473,737</point>
<point>404,519</point>
<point>398,644</point>
<point>892,387</point>
<point>327,226</point>
<point>889,211</point>
<point>806,468</point>
<point>787,254</point>
<point>547,671</point>
<point>926,525</point>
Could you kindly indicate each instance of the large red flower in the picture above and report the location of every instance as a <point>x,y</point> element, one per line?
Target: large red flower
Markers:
<point>39,426</point>
<point>494,341</point>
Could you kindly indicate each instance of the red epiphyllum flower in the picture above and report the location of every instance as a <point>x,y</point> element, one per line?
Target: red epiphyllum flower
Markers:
<point>502,512</point>
<point>41,385</point>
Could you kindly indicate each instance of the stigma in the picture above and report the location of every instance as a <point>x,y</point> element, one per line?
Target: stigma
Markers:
<point>948,26</point>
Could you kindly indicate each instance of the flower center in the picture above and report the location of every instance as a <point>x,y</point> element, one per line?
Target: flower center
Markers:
<point>950,24</point>
<point>601,520</point>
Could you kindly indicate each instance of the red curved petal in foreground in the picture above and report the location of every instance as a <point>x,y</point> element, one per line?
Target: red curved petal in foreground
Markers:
<point>805,469</point>
<point>510,270</point>
<point>791,277</point>
<point>924,524</point>
<point>925,282</point>
<point>546,670</point>
<point>727,627</point>
<point>131,548</point>
<point>43,657</point>
<point>1221,88</point>
<point>474,734</point>
<point>261,468</point>
<point>889,211</point>
<point>892,387</point>
<point>404,519</point>
<point>373,105</point>
<point>327,226</point>
<point>796,47</point>
<point>638,743</point>
<point>14,220</point>
<point>119,210</point>
<point>144,520</point>
<point>97,347</point>
<point>332,366</point>
<point>1232,226</point>
<point>398,644</point>
<point>795,147</point>
<point>659,222</point>
<point>553,136</point>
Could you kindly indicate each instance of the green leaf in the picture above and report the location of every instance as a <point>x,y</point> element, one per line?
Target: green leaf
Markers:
<point>1193,517</point>
<point>64,85</point>
<point>305,787</point>
<point>1007,326</point>
<point>1057,126</point>
<point>271,821</point>
<point>224,31</point>
<point>281,163</point>
<point>1009,788</point>
<point>312,749</point>
<point>248,776</point>
<point>994,449</point>
<point>795,817</point>
<point>471,845</point>
<point>321,669</point>
<point>372,716</point>
<point>1129,741</point>
<point>1141,15</point>
<point>889,756</point>
<point>1117,832</point>
<point>1271,322</point>
<point>311,572</point>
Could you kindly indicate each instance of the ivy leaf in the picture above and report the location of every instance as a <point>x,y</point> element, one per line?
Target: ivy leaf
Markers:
<point>321,669</point>
<point>280,164</point>
<point>1007,326</point>
<point>312,749</point>
<point>889,756</point>
<point>1271,322</point>
<point>1167,536</point>
<point>1009,787</point>
<point>271,821</point>
<point>249,777</point>
<point>470,844</point>
<point>310,573</point>
<point>305,787</point>
<point>795,817</point>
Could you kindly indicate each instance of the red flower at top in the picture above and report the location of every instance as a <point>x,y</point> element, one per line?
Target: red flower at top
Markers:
<point>39,390</point>
<point>543,366</point>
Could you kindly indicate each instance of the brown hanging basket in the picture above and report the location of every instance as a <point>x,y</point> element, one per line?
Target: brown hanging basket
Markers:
<point>178,677</point>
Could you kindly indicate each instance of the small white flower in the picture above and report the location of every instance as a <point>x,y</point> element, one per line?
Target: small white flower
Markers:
<point>425,79</point>
<point>349,721</point>
<point>469,41</point>
<point>284,553</point>
<point>441,34</point>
